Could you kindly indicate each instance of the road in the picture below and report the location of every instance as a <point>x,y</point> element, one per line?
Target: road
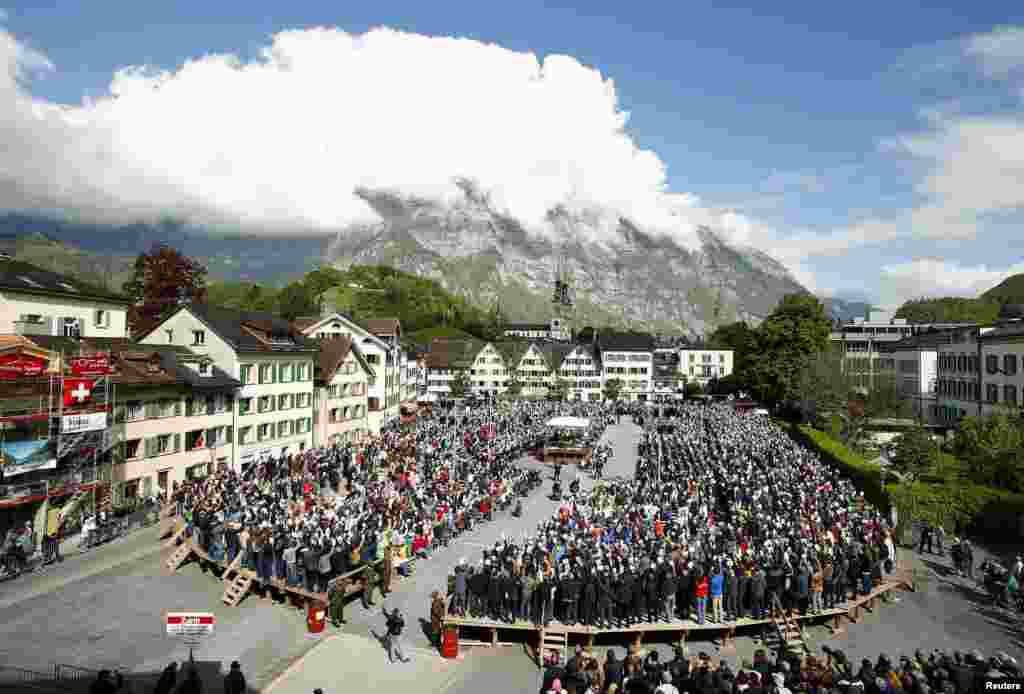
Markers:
<point>106,609</point>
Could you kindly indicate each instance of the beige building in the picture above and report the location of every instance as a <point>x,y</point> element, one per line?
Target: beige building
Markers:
<point>272,362</point>
<point>704,364</point>
<point>340,400</point>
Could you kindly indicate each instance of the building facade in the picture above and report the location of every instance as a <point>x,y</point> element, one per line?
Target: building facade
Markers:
<point>581,367</point>
<point>628,357</point>
<point>703,364</point>
<point>34,301</point>
<point>273,363</point>
<point>341,396</point>
<point>915,368</point>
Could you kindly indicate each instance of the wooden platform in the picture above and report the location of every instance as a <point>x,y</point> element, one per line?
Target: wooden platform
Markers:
<point>540,637</point>
<point>238,581</point>
<point>554,454</point>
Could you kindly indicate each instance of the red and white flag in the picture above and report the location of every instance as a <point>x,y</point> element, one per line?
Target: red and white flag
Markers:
<point>77,391</point>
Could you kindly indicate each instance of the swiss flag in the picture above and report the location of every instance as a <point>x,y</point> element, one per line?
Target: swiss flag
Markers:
<point>77,391</point>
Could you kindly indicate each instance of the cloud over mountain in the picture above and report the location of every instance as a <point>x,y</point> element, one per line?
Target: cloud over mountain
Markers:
<point>281,143</point>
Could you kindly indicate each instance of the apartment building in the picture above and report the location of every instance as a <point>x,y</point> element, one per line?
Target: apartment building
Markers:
<point>488,373</point>
<point>702,364</point>
<point>378,343</point>
<point>630,358</point>
<point>273,363</point>
<point>980,369</point>
<point>409,364</point>
<point>34,301</point>
<point>915,364</point>
<point>581,367</point>
<point>555,329</point>
<point>534,371</point>
<point>341,395</point>
<point>668,375</point>
<point>861,342</point>
<point>445,359</point>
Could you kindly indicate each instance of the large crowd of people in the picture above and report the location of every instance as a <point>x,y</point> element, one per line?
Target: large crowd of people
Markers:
<point>948,673</point>
<point>308,518</point>
<point>725,517</point>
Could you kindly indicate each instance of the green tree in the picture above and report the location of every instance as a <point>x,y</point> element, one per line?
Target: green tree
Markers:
<point>559,389</point>
<point>513,386</point>
<point>297,300</point>
<point>991,447</point>
<point>949,309</point>
<point>162,280</point>
<point>740,338</point>
<point>882,400</point>
<point>915,454</point>
<point>796,330</point>
<point>824,386</point>
<point>459,385</point>
<point>612,389</point>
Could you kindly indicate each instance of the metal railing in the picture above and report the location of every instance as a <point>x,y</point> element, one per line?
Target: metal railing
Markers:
<point>72,673</point>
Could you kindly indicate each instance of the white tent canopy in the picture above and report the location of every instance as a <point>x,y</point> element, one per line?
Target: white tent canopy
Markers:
<point>428,397</point>
<point>569,422</point>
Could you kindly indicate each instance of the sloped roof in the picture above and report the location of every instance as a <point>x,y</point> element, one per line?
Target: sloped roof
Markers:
<point>333,352</point>
<point>512,351</point>
<point>589,351</point>
<point>446,353</point>
<point>19,276</point>
<point>528,326</point>
<point>245,330</point>
<point>303,322</point>
<point>555,353</point>
<point>382,326</point>
<point>1005,331</point>
<point>625,342</point>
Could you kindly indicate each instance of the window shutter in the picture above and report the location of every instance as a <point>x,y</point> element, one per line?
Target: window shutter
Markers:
<point>177,408</point>
<point>228,434</point>
<point>119,414</point>
<point>150,445</point>
<point>177,442</point>
<point>211,437</point>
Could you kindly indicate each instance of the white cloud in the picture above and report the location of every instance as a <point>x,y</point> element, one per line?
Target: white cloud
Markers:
<point>3,15</point>
<point>934,277</point>
<point>1000,53</point>
<point>281,143</point>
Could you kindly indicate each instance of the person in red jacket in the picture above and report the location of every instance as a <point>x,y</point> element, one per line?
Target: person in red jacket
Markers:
<point>702,596</point>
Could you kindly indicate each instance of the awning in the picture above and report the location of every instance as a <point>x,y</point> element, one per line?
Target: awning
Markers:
<point>569,422</point>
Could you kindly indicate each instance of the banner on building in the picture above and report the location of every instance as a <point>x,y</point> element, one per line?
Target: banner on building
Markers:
<point>77,391</point>
<point>86,421</point>
<point>13,366</point>
<point>20,457</point>
<point>18,494</point>
<point>93,365</point>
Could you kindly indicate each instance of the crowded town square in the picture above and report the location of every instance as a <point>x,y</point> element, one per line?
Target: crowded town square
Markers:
<point>706,516</point>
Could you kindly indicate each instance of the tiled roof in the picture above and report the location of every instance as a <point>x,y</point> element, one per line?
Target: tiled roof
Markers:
<point>555,353</point>
<point>382,326</point>
<point>303,322</point>
<point>333,352</point>
<point>452,353</point>
<point>249,331</point>
<point>1007,330</point>
<point>625,342</point>
<point>19,276</point>
<point>512,351</point>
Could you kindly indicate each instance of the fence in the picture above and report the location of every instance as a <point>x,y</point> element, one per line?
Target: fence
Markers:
<point>60,678</point>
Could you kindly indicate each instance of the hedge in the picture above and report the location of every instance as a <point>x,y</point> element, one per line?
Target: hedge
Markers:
<point>866,476</point>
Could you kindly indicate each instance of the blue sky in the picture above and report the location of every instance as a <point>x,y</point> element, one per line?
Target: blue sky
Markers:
<point>807,119</point>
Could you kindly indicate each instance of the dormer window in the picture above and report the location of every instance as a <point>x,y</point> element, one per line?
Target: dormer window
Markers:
<point>205,369</point>
<point>170,336</point>
<point>198,338</point>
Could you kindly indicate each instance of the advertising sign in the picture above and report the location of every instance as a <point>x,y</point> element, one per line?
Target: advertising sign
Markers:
<point>87,421</point>
<point>15,495</point>
<point>20,366</point>
<point>19,457</point>
<point>93,365</point>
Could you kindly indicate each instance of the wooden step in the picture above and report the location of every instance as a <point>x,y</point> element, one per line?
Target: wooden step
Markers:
<point>173,539</point>
<point>236,590</point>
<point>231,568</point>
<point>180,555</point>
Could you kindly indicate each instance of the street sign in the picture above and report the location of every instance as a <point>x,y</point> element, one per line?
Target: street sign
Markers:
<point>190,626</point>
<point>95,365</point>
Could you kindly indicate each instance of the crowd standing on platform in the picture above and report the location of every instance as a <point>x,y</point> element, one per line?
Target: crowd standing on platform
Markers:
<point>917,673</point>
<point>306,519</point>
<point>725,518</point>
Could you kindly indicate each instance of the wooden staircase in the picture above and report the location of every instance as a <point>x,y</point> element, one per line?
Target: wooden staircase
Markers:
<point>790,636</point>
<point>103,498</point>
<point>236,590</point>
<point>179,556</point>
<point>232,567</point>
<point>552,640</point>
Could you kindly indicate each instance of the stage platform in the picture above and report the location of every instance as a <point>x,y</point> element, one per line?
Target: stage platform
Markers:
<point>533,634</point>
<point>566,456</point>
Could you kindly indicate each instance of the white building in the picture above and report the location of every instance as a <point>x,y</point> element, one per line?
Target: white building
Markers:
<point>488,373</point>
<point>446,359</point>
<point>34,301</point>
<point>377,340</point>
<point>915,369</point>
<point>555,329</point>
<point>703,364</point>
<point>628,357</point>
<point>274,363</point>
<point>582,368</point>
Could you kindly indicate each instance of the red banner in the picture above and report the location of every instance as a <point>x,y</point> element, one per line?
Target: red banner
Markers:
<point>94,365</point>
<point>77,391</point>
<point>20,366</point>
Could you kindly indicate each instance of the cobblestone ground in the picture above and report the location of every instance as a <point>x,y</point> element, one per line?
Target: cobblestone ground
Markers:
<point>106,609</point>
